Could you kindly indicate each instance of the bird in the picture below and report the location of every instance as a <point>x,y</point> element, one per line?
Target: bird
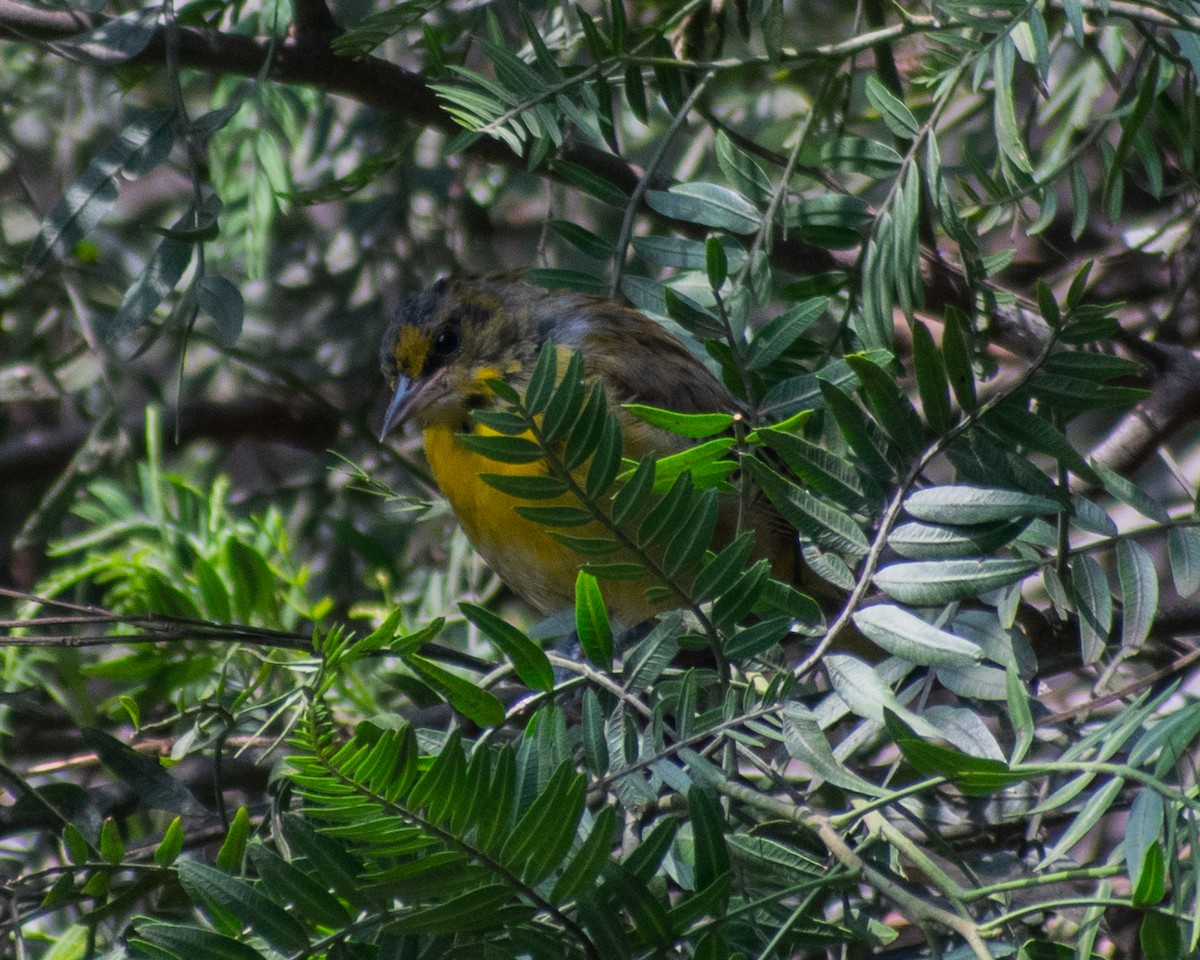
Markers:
<point>447,342</point>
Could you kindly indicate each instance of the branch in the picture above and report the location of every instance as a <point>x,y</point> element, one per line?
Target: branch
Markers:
<point>1174,400</point>
<point>42,455</point>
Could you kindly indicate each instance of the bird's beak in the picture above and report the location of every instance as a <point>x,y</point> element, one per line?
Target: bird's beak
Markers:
<point>415,397</point>
<point>400,407</point>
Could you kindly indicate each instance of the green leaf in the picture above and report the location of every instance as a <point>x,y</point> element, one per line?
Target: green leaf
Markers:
<point>233,848</point>
<point>1091,366</point>
<point>857,431</point>
<point>591,621</point>
<point>1019,712</point>
<point>1183,547</point>
<point>286,883</point>
<point>604,926</point>
<point>806,742</point>
<point>647,661</point>
<point>555,516</point>
<point>527,658</point>
<point>822,523</point>
<point>930,541</point>
<point>895,114</point>
<point>646,858</point>
<point>710,852</point>
<point>543,835</point>
<point>1159,935</point>
<point>742,170</point>
<point>162,272</point>
<point>251,907</point>
<point>861,686</point>
<point>481,908</point>
<point>716,264</point>
<point>502,421</point>
<point>582,239</point>
<point>1130,493</point>
<point>1099,803</point>
<point>771,341</point>
<point>589,182</point>
<point>690,315</point>
<point>112,847</point>
<point>736,602</point>
<point>526,487</point>
<point>1132,124</point>
<point>567,401</point>
<point>1093,601</point>
<point>629,893</point>
<point>757,639</point>
<point>586,546</point>
<point>667,74</point>
<point>1143,849</point>
<point>1004,116</point>
<point>719,572</point>
<point>925,583</point>
<point>956,353</point>
<point>585,432</point>
<point>834,221</point>
<point>325,859</point>
<point>143,144</point>
<point>153,786</point>
<point>557,279</point>
<point>634,495</point>
<point>585,866</point>
<point>591,726</point>
<point>502,449</point>
<point>707,204</point>
<point>889,404</point>
<point>704,462</point>
<point>664,519</point>
<point>1039,435</point>
<point>473,703</point>
<point>543,380</point>
<point>223,302</point>
<point>905,635</point>
<point>606,460</point>
<point>193,942</point>
<point>1139,593</point>
<point>635,92</point>
<point>695,425</point>
<point>826,473</point>
<point>687,254</point>
<point>966,504</point>
<point>1079,395</point>
<point>686,548</point>
<point>78,850</point>
<point>932,384</point>
<point>979,682</point>
<point>115,40</point>
<point>857,155</point>
<point>975,776</point>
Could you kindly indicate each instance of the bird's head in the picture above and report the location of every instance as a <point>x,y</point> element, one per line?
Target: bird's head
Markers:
<point>447,342</point>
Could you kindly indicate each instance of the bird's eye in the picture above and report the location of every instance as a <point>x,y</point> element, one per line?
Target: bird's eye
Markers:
<point>446,342</point>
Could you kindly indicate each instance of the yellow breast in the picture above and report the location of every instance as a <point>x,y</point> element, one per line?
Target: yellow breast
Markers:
<point>527,558</point>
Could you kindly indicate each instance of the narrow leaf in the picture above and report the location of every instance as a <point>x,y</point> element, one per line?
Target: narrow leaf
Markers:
<point>1139,592</point>
<point>527,657</point>
<point>1093,601</point>
<point>591,621</point>
<point>905,635</point>
<point>924,583</point>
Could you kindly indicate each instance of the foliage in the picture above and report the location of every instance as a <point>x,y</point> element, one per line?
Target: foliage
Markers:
<point>909,249</point>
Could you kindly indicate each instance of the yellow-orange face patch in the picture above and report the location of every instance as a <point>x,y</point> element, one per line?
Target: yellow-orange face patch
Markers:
<point>410,350</point>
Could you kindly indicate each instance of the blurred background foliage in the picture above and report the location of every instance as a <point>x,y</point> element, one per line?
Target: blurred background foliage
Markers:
<point>962,234</point>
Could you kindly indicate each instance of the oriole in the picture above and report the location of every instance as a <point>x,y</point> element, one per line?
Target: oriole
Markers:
<point>447,342</point>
